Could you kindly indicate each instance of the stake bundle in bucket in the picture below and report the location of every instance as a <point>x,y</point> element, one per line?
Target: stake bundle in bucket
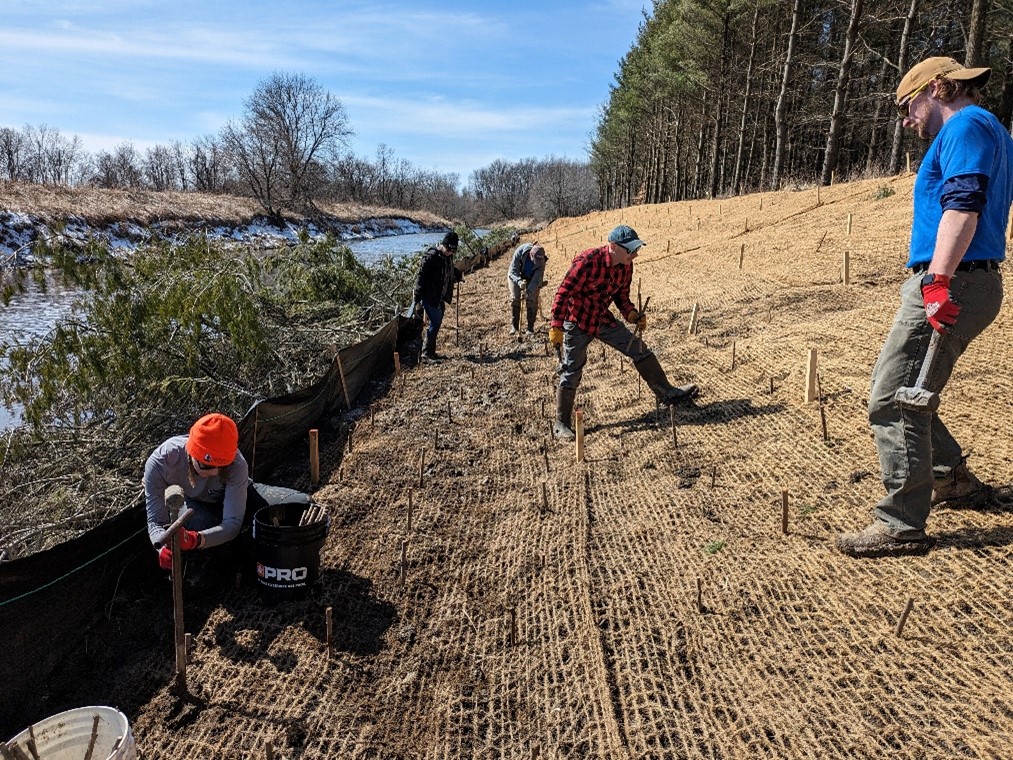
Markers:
<point>99,733</point>
<point>288,549</point>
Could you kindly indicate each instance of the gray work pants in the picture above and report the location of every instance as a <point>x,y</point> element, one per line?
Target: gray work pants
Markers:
<point>576,341</point>
<point>913,446</point>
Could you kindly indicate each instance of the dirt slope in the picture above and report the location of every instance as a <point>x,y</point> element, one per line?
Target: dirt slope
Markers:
<point>659,610</point>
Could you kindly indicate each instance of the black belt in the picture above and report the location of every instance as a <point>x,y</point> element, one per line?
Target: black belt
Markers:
<point>989,265</point>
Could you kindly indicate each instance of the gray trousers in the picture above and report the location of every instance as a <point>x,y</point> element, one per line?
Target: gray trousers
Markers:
<point>915,446</point>
<point>576,341</point>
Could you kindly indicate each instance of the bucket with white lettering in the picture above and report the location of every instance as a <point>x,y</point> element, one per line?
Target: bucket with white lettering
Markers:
<point>287,553</point>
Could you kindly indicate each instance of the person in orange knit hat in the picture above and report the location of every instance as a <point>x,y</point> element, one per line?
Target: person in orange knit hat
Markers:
<point>215,478</point>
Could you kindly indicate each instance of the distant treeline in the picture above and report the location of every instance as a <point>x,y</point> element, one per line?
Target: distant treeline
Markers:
<point>732,96</point>
<point>289,151</point>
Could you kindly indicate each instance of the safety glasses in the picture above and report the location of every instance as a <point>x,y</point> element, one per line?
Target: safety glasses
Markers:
<point>203,467</point>
<point>904,107</point>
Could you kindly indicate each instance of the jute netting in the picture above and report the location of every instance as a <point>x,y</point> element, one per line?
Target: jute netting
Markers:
<point>643,603</point>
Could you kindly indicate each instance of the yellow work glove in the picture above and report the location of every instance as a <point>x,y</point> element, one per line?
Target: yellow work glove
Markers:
<point>637,318</point>
<point>556,336</point>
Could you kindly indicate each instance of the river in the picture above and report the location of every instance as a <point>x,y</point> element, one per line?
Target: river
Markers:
<point>35,312</point>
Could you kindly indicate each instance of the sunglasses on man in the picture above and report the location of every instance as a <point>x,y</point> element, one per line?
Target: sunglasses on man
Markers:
<point>904,107</point>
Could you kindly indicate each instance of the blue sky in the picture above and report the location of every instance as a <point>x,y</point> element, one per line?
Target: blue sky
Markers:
<point>448,85</point>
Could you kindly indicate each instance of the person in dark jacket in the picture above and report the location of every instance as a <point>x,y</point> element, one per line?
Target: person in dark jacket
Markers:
<point>435,287</point>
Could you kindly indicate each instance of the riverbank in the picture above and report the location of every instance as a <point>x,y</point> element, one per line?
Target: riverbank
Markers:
<point>124,219</point>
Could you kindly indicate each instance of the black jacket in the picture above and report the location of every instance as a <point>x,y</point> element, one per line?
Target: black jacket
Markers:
<point>436,279</point>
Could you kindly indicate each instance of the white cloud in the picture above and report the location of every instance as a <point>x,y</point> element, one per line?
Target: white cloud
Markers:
<point>445,118</point>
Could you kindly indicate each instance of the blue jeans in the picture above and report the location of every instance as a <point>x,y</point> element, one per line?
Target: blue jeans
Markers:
<point>576,341</point>
<point>915,446</point>
<point>435,314</point>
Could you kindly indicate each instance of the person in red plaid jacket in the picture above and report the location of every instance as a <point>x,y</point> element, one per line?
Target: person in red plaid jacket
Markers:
<point>597,278</point>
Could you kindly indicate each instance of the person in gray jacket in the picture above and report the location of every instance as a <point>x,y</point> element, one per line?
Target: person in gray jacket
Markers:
<point>215,479</point>
<point>527,269</point>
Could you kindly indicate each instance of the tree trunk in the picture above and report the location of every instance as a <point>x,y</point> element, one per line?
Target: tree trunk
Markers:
<point>840,95</point>
<point>781,110</point>
<point>976,33</point>
<point>737,172</point>
<point>719,117</point>
<point>902,67</point>
<point>870,156</point>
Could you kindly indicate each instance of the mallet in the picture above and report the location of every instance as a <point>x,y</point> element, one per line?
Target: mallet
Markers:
<point>919,398</point>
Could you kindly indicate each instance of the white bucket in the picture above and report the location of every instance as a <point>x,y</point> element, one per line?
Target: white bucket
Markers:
<point>67,735</point>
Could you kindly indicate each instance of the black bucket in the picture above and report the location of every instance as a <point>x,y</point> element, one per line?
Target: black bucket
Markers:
<point>287,553</point>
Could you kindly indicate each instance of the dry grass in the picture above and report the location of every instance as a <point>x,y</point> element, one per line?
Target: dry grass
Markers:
<point>99,207</point>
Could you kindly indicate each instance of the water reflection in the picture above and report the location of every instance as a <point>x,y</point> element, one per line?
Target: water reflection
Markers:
<point>28,315</point>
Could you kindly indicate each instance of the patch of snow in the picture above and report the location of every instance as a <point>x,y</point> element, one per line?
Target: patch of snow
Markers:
<point>18,231</point>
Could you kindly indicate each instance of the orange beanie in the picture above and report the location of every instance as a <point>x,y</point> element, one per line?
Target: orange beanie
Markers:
<point>214,440</point>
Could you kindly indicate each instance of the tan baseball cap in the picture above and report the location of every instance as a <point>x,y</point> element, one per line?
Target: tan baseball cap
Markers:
<point>939,66</point>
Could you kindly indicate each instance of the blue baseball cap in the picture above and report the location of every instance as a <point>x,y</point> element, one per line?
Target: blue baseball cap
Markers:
<point>626,237</point>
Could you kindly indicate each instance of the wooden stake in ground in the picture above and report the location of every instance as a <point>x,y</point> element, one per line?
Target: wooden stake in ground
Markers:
<point>699,596</point>
<point>344,385</point>
<point>784,513</point>
<point>314,456</point>
<point>849,224</point>
<point>404,560</point>
<point>733,354</point>
<point>397,364</point>
<point>742,254</point>
<point>411,507</point>
<point>903,616</point>
<point>810,377</point>
<point>578,422</point>
<point>513,627</point>
<point>675,434</point>
<point>422,466</point>
<point>178,515</point>
<point>545,498</point>
<point>846,268</point>
<point>329,618</point>
<point>457,337</point>
<point>692,318</point>
<point>269,750</point>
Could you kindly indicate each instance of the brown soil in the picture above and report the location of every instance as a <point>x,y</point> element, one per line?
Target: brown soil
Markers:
<point>659,610</point>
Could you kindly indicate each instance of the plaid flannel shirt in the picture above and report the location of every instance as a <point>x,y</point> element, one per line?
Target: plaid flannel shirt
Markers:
<point>588,288</point>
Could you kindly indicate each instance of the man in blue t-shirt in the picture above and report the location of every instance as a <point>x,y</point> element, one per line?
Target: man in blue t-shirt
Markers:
<point>962,198</point>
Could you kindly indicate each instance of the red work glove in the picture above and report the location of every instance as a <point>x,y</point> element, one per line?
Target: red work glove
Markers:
<point>940,309</point>
<point>189,539</point>
<point>165,558</point>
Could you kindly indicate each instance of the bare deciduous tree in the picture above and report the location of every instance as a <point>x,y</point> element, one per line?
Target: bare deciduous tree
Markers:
<point>292,127</point>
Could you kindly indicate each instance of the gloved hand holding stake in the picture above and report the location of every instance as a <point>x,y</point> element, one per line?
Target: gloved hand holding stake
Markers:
<point>940,309</point>
<point>637,318</point>
<point>188,540</point>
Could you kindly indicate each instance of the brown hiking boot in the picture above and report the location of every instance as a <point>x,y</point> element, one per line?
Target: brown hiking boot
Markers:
<point>875,541</point>
<point>960,485</point>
